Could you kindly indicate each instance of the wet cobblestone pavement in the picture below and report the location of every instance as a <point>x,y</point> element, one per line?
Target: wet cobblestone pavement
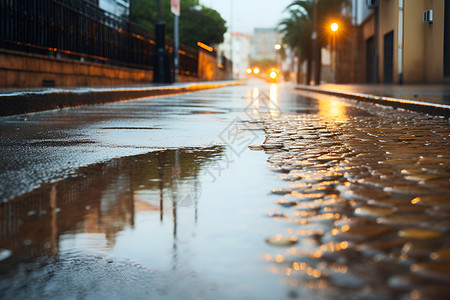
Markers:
<point>366,203</point>
<point>161,198</point>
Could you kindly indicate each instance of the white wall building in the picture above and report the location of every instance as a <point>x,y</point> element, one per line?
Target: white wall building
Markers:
<point>236,49</point>
<point>263,43</point>
<point>360,11</point>
<point>120,8</point>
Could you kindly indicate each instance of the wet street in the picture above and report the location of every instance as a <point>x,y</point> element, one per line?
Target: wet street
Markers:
<point>243,192</point>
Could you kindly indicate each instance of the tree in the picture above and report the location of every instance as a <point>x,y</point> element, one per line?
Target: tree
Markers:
<point>299,27</point>
<point>297,31</point>
<point>197,23</point>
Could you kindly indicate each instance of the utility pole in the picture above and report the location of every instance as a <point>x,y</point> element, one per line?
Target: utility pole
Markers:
<point>400,42</point>
<point>231,39</point>
<point>175,8</point>
<point>161,69</point>
<point>315,46</point>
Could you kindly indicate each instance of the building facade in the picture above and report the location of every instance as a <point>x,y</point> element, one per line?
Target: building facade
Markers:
<point>236,47</point>
<point>406,41</point>
<point>120,8</point>
<point>263,43</point>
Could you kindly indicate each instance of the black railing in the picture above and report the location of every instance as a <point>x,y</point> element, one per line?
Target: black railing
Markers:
<point>77,29</point>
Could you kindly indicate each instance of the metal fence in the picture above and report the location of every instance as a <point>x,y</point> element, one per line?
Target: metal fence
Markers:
<point>77,29</point>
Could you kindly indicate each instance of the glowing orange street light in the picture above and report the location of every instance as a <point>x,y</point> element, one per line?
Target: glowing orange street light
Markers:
<point>334,27</point>
<point>256,70</point>
<point>249,71</point>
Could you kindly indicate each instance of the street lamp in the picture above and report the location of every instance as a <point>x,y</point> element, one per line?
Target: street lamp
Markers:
<point>277,54</point>
<point>334,28</point>
<point>161,68</point>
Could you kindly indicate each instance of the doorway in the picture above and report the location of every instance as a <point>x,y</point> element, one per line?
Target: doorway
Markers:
<point>369,60</point>
<point>388,64</point>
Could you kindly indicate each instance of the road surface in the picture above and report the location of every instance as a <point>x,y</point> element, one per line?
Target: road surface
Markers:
<point>244,192</point>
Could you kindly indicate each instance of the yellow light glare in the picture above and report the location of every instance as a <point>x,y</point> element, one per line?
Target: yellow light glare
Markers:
<point>277,47</point>
<point>334,27</point>
<point>256,70</point>
<point>249,71</point>
<point>273,75</point>
<point>204,46</point>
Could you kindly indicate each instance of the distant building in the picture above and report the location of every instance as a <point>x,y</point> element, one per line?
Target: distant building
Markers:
<point>263,43</point>
<point>120,8</point>
<point>360,11</point>
<point>236,49</point>
<point>404,41</point>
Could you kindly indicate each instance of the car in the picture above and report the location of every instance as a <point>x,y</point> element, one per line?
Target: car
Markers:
<point>273,75</point>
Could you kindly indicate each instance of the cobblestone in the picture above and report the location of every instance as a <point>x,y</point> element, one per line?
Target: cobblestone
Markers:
<point>368,198</point>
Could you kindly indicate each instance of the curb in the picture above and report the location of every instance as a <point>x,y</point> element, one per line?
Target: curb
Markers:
<point>35,101</point>
<point>424,107</point>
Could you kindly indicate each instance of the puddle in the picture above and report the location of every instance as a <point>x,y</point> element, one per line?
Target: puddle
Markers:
<point>166,224</point>
<point>102,199</point>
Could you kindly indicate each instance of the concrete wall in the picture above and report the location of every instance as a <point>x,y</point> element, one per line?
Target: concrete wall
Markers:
<point>414,49</point>
<point>18,70</point>
<point>388,21</point>
<point>208,69</point>
<point>350,60</point>
<point>433,38</point>
<point>23,70</point>
<point>423,43</point>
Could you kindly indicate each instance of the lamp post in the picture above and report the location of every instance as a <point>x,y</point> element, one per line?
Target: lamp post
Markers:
<point>315,47</point>
<point>161,69</point>
<point>277,54</point>
<point>175,9</point>
<point>334,28</point>
<point>231,40</point>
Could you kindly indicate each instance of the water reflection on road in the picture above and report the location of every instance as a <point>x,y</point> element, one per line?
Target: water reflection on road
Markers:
<point>101,201</point>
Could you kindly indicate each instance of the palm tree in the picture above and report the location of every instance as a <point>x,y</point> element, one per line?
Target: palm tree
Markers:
<point>297,31</point>
<point>299,27</point>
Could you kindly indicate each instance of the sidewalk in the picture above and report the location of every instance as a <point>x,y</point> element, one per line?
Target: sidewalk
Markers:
<point>431,99</point>
<point>20,101</point>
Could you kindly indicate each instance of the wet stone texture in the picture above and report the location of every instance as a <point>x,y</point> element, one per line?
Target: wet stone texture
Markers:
<point>366,204</point>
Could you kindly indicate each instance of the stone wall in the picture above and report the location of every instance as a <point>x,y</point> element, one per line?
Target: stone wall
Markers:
<point>208,69</point>
<point>23,70</point>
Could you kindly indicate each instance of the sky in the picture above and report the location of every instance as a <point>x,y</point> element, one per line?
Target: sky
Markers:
<point>249,14</point>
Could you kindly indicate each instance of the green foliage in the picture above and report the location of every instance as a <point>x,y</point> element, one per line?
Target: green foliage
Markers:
<point>327,11</point>
<point>205,24</point>
<point>298,27</point>
<point>297,30</point>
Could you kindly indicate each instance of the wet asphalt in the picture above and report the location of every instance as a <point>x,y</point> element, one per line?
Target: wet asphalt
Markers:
<point>244,192</point>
